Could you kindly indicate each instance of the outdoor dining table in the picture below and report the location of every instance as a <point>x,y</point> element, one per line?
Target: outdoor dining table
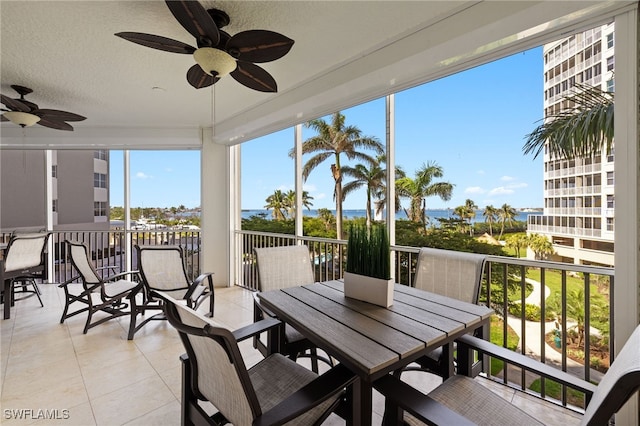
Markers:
<point>372,340</point>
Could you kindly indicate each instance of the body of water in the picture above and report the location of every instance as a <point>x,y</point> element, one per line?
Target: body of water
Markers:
<point>432,214</point>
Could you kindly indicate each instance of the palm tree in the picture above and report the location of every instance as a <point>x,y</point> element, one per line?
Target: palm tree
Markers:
<point>372,178</point>
<point>277,201</point>
<point>327,217</point>
<point>332,140</point>
<point>582,130</point>
<point>506,213</point>
<point>540,245</point>
<point>467,212</point>
<point>517,242</point>
<point>490,214</point>
<point>418,189</point>
<point>290,200</point>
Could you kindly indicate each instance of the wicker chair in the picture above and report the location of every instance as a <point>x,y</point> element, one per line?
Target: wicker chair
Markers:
<point>453,274</point>
<point>162,268</point>
<point>24,263</point>
<point>278,268</point>
<point>461,400</point>
<point>99,294</point>
<point>274,391</point>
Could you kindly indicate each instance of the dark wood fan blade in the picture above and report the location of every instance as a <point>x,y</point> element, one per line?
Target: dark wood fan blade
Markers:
<point>14,104</point>
<point>199,79</point>
<point>157,42</point>
<point>259,46</point>
<point>58,125</point>
<point>254,77</point>
<point>195,19</point>
<point>57,115</point>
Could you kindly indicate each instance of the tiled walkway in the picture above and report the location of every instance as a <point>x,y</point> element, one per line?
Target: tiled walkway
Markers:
<point>100,378</point>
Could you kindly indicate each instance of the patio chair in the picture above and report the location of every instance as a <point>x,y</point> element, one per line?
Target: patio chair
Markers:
<point>462,400</point>
<point>163,268</point>
<point>453,274</point>
<point>24,263</point>
<point>276,390</point>
<point>278,268</point>
<point>99,294</point>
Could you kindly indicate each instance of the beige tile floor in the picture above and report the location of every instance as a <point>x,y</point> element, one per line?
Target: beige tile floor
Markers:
<point>101,378</point>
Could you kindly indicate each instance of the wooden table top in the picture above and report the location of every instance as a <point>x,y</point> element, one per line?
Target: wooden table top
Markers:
<point>370,339</point>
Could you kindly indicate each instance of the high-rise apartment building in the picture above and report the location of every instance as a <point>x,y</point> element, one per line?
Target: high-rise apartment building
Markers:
<point>579,199</point>
<point>79,189</point>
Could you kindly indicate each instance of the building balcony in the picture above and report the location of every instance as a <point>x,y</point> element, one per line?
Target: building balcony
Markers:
<point>93,376</point>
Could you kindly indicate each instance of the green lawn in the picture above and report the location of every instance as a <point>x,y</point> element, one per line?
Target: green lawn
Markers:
<point>496,337</point>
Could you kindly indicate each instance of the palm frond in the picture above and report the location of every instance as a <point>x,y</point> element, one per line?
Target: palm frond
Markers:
<point>583,130</point>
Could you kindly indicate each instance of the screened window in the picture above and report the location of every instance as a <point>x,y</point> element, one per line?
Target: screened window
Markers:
<point>99,180</point>
<point>99,208</point>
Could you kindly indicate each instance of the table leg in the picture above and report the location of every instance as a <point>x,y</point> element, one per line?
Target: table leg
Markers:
<point>7,298</point>
<point>362,402</point>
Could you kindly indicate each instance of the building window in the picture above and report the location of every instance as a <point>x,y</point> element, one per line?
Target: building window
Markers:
<point>99,208</point>
<point>597,69</point>
<point>610,201</point>
<point>99,180</point>
<point>54,171</point>
<point>100,154</point>
<point>609,224</point>
<point>609,41</point>
<point>609,178</point>
<point>54,206</point>
<point>611,87</point>
<point>610,157</point>
<point>588,74</point>
<point>610,63</point>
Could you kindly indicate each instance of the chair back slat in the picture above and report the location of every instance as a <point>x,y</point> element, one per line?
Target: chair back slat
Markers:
<point>25,251</point>
<point>450,273</point>
<point>221,375</point>
<point>80,259</point>
<point>618,385</point>
<point>284,267</point>
<point>163,268</point>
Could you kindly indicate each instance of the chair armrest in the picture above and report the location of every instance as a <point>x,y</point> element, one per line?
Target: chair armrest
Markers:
<point>487,348</point>
<point>121,275</point>
<point>69,281</point>
<point>319,390</point>
<point>256,328</point>
<point>197,288</point>
<point>259,305</point>
<point>399,394</point>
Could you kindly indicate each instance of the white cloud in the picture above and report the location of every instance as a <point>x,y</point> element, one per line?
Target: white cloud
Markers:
<point>309,187</point>
<point>517,185</point>
<point>168,170</point>
<point>507,178</point>
<point>142,175</point>
<point>320,196</point>
<point>480,172</point>
<point>474,190</point>
<point>501,190</point>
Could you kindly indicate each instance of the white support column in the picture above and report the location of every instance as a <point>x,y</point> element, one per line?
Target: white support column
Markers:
<point>235,212</point>
<point>298,178</point>
<point>126,167</point>
<point>217,164</point>
<point>627,189</point>
<point>48,193</point>
<point>390,112</point>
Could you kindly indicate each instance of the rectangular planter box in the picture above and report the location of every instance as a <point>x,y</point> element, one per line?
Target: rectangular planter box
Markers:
<point>369,289</point>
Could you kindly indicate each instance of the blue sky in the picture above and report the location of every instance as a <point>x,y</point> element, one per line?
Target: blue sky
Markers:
<point>472,124</point>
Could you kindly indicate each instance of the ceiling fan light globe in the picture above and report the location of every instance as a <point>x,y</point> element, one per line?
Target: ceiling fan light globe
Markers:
<point>214,62</point>
<point>23,119</point>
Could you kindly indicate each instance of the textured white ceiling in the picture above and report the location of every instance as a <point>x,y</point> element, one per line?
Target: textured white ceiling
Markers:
<point>345,52</point>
